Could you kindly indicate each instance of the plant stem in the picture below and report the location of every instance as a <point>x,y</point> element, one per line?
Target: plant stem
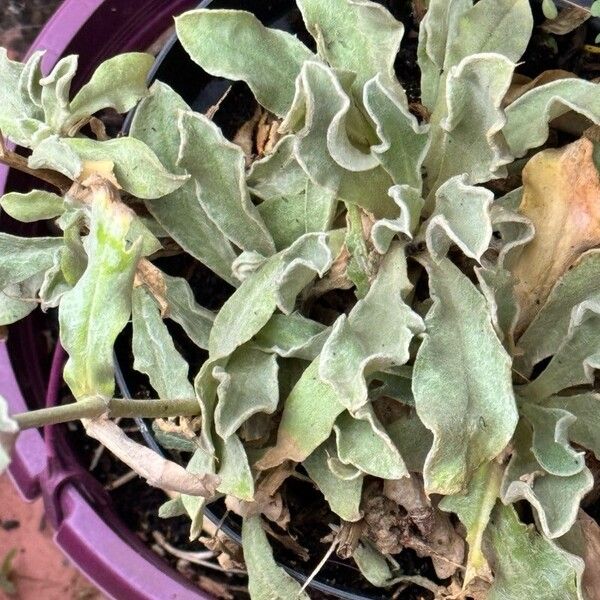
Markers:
<point>112,408</point>
<point>16,161</point>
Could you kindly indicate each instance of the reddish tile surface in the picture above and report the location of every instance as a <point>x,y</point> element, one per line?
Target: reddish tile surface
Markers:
<point>39,569</point>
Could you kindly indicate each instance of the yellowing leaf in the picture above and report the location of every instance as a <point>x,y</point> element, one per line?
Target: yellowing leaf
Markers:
<point>561,196</point>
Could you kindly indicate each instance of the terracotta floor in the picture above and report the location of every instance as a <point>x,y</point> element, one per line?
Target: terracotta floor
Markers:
<point>39,571</point>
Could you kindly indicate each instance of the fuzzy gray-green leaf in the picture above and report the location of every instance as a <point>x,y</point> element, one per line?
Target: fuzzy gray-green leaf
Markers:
<point>235,45</point>
<point>32,206</point>
<point>461,382</point>
<point>528,117</point>
<point>343,495</point>
<point>247,385</point>
<point>95,311</point>
<point>217,165</point>
<point>358,345</point>
<point>118,83</point>
<point>266,580</point>
<point>359,36</point>
<point>154,350</point>
<point>180,213</point>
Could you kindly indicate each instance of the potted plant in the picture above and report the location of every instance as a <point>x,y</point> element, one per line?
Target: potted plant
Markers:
<point>410,330</point>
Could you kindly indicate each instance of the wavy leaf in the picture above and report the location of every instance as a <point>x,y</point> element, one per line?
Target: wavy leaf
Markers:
<point>550,444</point>
<point>550,326</point>
<point>358,346</point>
<point>527,565</point>
<point>22,258</point>
<point>528,117</point>
<point>33,206</point>
<point>154,351</point>
<point>362,442</point>
<point>326,102</point>
<point>448,225</point>
<point>180,213</point>
<point>359,36</point>
<point>561,195</point>
<point>342,495</point>
<point>218,167</point>
<point>95,311</point>
<point>461,382</point>
<point>404,142</point>
<point>555,499</point>
<point>247,385</point>
<point>235,45</point>
<point>467,122</point>
<point>275,284</point>
<point>266,580</point>
<point>118,83</point>
<point>292,336</point>
<point>585,430</point>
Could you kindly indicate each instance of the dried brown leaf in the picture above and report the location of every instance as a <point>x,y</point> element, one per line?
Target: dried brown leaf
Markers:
<point>562,198</point>
<point>152,277</point>
<point>568,20</point>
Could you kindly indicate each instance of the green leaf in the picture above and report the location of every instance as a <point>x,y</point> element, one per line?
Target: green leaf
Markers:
<point>549,9</point>
<point>527,118</point>
<point>527,565</point>
<point>52,153</point>
<point>555,499</point>
<point>358,346</point>
<point>234,471</point>
<point>95,311</point>
<point>551,324</point>
<point>462,382</point>
<point>32,206</point>
<point>292,336</point>
<point>448,225</point>
<point>8,433</point>
<point>14,106</point>
<point>266,580</point>
<point>437,32</point>
<point>247,385</point>
<point>342,495</point>
<point>171,508</point>
<point>410,203</point>
<point>56,91</point>
<point>21,258</point>
<point>17,300</point>
<point>404,142</point>
<point>359,36</point>
<point>326,105</point>
<point>309,414</point>
<point>585,431</point>
<point>218,167</point>
<point>467,122</point>
<point>183,309</point>
<point>575,359</point>
<point>362,442</point>
<point>412,439</point>
<point>180,213</point>
<point>275,284</point>
<point>137,168</point>
<point>474,509</point>
<point>235,45</point>
<point>154,351</point>
<point>496,26</point>
<point>119,83</point>
<point>550,444</point>
<point>202,462</point>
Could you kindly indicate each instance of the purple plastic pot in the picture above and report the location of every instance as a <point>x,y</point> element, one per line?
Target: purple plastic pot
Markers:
<point>87,530</point>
